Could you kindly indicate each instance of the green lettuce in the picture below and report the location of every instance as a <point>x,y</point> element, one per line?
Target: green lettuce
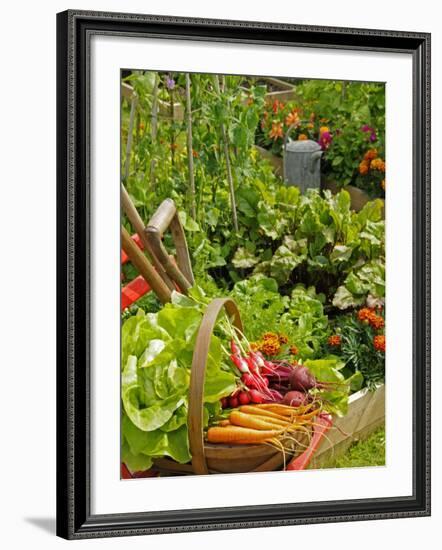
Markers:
<point>157,351</point>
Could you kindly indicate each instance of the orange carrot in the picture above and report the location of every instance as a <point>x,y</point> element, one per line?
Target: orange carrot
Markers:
<point>235,434</point>
<point>253,421</point>
<point>256,409</point>
<point>224,423</point>
<point>285,410</point>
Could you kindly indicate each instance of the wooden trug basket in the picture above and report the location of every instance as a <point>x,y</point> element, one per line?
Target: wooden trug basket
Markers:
<point>209,458</point>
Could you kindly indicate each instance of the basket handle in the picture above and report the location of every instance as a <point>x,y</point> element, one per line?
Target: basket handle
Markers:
<point>197,377</point>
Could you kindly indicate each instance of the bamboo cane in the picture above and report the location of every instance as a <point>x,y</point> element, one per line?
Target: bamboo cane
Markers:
<point>225,139</point>
<point>133,107</point>
<point>154,128</point>
<point>190,148</point>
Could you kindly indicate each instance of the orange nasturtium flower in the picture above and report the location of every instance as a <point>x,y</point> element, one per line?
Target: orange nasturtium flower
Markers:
<point>379,342</point>
<point>276,131</point>
<point>292,118</point>
<point>277,106</point>
<point>334,340</point>
<point>371,154</point>
<point>363,167</point>
<point>302,137</point>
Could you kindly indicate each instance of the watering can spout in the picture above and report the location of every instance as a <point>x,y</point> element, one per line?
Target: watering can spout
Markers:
<point>314,160</point>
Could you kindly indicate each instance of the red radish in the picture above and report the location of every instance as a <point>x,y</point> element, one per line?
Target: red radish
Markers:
<point>224,402</point>
<point>256,396</point>
<point>233,402</point>
<point>301,379</point>
<point>244,398</point>
<point>253,366</point>
<point>266,380</point>
<point>248,379</point>
<point>257,358</point>
<point>295,398</point>
<point>240,363</point>
<point>234,348</point>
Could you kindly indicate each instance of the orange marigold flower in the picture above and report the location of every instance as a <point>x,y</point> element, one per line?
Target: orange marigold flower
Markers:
<point>371,154</point>
<point>282,339</point>
<point>363,167</point>
<point>323,129</point>
<point>255,346</point>
<point>377,164</point>
<point>383,184</point>
<point>365,314</point>
<point>270,336</point>
<point>334,340</point>
<point>376,321</point>
<point>271,347</point>
<point>302,137</point>
<point>276,131</point>
<point>292,118</point>
<point>294,350</point>
<point>379,342</point>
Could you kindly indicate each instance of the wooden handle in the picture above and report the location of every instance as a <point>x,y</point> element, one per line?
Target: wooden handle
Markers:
<point>166,216</point>
<point>197,377</point>
<point>137,223</point>
<point>163,216</point>
<point>140,261</point>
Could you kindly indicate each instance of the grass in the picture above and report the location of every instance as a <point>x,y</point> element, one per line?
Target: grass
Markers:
<point>370,452</point>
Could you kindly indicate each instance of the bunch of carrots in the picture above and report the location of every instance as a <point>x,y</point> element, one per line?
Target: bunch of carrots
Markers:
<point>264,423</point>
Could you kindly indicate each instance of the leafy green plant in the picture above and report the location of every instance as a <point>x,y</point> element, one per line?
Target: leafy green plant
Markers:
<point>361,344</point>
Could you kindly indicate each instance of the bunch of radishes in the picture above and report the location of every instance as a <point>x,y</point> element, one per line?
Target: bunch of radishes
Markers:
<point>264,381</point>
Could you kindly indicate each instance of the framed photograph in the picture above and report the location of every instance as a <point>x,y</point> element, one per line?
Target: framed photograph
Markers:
<point>232,259</point>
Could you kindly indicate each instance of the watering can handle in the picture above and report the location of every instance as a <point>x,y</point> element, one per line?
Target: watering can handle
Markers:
<point>314,159</point>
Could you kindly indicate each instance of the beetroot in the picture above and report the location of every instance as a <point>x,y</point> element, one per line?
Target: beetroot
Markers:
<point>295,398</point>
<point>233,402</point>
<point>301,379</point>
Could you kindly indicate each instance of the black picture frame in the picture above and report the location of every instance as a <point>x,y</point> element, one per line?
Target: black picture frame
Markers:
<point>74,519</point>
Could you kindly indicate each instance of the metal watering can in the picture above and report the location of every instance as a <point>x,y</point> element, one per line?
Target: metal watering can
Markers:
<point>301,163</point>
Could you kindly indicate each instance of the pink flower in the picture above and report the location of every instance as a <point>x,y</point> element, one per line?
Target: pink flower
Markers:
<point>324,140</point>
